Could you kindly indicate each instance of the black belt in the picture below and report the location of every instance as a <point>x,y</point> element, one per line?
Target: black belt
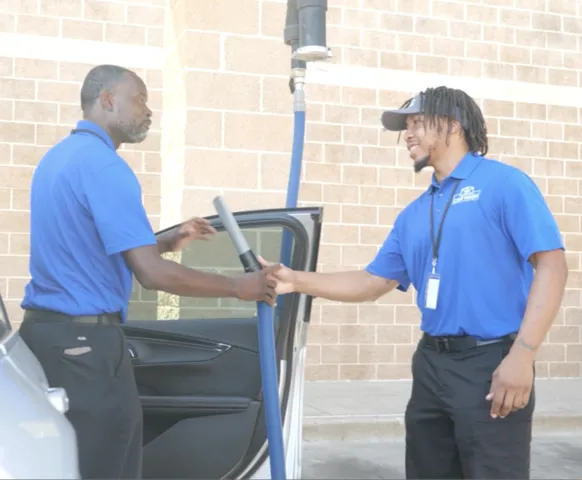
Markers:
<point>460,343</point>
<point>49,315</point>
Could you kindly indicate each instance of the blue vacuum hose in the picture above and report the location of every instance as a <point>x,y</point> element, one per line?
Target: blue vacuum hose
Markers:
<point>267,352</point>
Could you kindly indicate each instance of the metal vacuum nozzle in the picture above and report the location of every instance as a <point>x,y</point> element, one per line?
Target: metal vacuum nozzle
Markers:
<point>305,31</point>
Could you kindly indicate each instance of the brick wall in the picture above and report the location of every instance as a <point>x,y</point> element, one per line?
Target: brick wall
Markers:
<point>227,125</point>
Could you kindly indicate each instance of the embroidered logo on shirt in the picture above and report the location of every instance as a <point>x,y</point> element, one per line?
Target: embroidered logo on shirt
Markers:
<point>467,194</point>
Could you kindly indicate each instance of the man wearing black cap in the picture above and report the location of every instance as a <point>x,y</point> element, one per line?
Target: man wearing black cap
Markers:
<point>485,255</point>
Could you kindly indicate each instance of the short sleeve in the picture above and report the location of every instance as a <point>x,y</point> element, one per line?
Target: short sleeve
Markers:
<point>526,217</point>
<point>114,200</point>
<point>389,262</point>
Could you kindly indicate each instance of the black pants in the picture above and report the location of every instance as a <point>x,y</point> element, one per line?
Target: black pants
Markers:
<point>449,431</point>
<point>91,362</point>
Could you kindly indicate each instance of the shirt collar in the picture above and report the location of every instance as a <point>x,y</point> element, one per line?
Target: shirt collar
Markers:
<point>88,125</point>
<point>462,171</point>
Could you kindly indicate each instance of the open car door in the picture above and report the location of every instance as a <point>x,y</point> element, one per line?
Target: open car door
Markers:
<point>196,360</point>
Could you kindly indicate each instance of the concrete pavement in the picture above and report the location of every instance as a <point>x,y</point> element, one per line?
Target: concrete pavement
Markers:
<point>553,456</point>
<point>375,409</point>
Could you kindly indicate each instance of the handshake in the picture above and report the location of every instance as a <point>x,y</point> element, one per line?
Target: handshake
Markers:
<point>264,286</point>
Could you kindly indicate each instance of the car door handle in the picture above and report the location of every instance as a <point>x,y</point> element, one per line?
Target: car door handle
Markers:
<point>132,352</point>
<point>58,398</point>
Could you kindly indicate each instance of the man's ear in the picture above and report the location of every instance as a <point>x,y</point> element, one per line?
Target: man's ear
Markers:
<point>107,100</point>
<point>456,128</point>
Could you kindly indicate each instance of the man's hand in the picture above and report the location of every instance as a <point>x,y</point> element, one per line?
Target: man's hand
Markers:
<point>512,383</point>
<point>284,277</point>
<point>193,229</point>
<point>257,286</point>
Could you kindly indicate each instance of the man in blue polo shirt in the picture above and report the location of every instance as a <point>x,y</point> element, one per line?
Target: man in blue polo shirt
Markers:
<point>484,252</point>
<point>89,234</point>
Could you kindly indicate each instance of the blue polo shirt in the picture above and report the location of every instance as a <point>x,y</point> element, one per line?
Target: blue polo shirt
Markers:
<point>497,219</point>
<point>86,209</point>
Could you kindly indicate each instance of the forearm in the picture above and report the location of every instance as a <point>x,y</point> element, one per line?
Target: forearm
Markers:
<point>176,279</point>
<point>544,301</point>
<point>353,286</point>
<point>164,241</point>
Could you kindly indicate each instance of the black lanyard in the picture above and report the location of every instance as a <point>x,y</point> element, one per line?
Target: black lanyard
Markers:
<point>437,243</point>
<point>84,130</point>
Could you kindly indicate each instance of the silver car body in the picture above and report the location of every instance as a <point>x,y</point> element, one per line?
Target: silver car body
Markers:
<point>36,439</point>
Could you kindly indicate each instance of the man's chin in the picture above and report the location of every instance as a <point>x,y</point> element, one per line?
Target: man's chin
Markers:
<point>421,164</point>
<point>137,137</point>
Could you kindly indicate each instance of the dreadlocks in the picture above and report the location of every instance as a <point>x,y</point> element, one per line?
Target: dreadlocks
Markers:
<point>451,104</point>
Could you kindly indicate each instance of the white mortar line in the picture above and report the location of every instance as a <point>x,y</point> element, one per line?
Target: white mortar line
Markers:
<point>135,56</point>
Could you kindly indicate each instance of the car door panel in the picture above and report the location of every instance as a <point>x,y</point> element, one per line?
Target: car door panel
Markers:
<point>197,361</point>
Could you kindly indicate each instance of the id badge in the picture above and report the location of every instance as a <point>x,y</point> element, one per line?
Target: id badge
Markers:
<point>432,291</point>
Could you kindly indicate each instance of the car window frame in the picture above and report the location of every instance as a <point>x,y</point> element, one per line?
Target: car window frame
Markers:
<point>5,325</point>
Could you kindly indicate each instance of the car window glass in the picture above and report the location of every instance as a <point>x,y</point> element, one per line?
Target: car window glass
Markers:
<point>4,323</point>
<point>216,255</point>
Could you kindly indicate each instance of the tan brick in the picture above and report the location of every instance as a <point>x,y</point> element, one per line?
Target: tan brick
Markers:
<point>360,135</point>
<point>6,110</point>
<point>130,34</point>
<point>563,149</point>
<point>321,372</point>
<point>16,88</point>
<point>316,172</point>
<point>429,64</point>
<point>450,10</point>
<point>200,49</point>
<point>340,194</point>
<point>511,54</point>
<point>207,167</point>
<point>482,14</point>
<point>431,26</point>
<point>8,23</point>
<point>531,38</point>
<point>58,91</point>
<point>222,91</point>
<point>416,7</point>
<point>339,354</point>
<point>542,21</point>
<point>256,55</point>
<point>363,19</point>
<point>447,47</point>
<point>564,370</point>
<point>145,15</point>
<point>50,134</point>
<point>352,214</point>
<point>499,71</point>
<point>82,30</point>
<point>58,8</point>
<point>499,33</point>
<point>37,25</point>
<point>551,131</point>
<point>217,16</point>
<point>561,41</point>
<point>467,68</point>
<point>360,334</point>
<point>20,6</point>
<point>361,57</point>
<point>4,197</point>
<point>155,37</point>
<point>395,334</point>
<point>14,132</point>
<point>389,5</point>
<point>393,22</point>
<point>572,24</point>
<point>483,51</point>
<point>105,11</point>
<point>515,18</point>
<point>39,112</point>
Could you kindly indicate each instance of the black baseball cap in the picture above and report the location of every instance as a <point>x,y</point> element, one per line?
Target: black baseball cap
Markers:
<point>395,120</point>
